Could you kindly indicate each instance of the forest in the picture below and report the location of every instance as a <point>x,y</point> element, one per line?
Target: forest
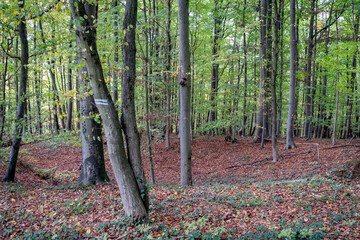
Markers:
<point>214,119</point>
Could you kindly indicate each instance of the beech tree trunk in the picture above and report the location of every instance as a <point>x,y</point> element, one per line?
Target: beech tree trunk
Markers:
<point>3,98</point>
<point>134,204</point>
<point>273,83</point>
<point>185,92</point>
<point>92,150</point>
<point>310,47</point>
<point>167,76</point>
<point>24,58</point>
<point>262,89</point>
<point>293,50</point>
<point>128,118</point>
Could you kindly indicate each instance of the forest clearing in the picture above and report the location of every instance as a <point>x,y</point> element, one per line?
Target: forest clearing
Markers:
<point>234,194</point>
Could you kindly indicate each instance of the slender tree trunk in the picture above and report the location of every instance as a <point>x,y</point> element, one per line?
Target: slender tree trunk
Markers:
<point>245,75</point>
<point>131,196</point>
<point>10,173</point>
<point>215,65</point>
<point>337,91</point>
<point>37,86</point>
<point>273,82</point>
<point>128,117</point>
<point>313,79</point>
<point>262,55</point>
<point>55,98</point>
<point>293,49</point>
<point>146,75</point>
<point>355,19</point>
<point>116,54</point>
<point>310,47</point>
<point>69,118</point>
<point>168,76</point>
<point>3,98</point>
<point>279,121</point>
<point>185,87</point>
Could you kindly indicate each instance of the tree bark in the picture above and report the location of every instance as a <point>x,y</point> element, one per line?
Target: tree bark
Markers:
<point>263,73</point>
<point>10,173</point>
<point>3,98</point>
<point>69,125</point>
<point>128,117</point>
<point>185,88</point>
<point>273,82</point>
<point>310,47</point>
<point>131,196</point>
<point>167,75</point>
<point>92,151</point>
<point>293,50</point>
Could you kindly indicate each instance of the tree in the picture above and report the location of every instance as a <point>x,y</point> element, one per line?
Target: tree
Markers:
<point>24,59</point>
<point>184,85</point>
<point>128,117</point>
<point>293,49</point>
<point>85,16</point>
<point>92,151</point>
<point>273,83</point>
<point>263,72</point>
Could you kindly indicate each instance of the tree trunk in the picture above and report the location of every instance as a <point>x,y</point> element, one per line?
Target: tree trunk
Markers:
<point>146,76</point>
<point>168,76</point>
<point>37,87</point>
<point>92,151</point>
<point>215,65</point>
<point>273,83</point>
<point>128,115</point>
<point>337,91</point>
<point>69,117</point>
<point>293,49</point>
<point>185,88</point>
<point>131,196</point>
<point>279,120</point>
<point>355,19</point>
<point>310,47</point>
<point>10,173</point>
<point>3,98</point>
<point>116,54</point>
<point>263,73</point>
<point>55,96</point>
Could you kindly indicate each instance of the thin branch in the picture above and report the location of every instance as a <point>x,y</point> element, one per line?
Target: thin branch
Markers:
<point>44,11</point>
<point>7,53</point>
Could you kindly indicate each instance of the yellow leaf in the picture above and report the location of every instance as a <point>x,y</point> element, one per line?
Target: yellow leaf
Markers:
<point>84,50</point>
<point>90,48</point>
<point>77,224</point>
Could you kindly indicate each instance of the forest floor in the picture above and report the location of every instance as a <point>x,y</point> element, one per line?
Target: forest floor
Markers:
<point>238,193</point>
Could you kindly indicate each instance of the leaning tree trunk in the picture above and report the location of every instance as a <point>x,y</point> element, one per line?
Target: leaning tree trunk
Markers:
<point>185,91</point>
<point>131,196</point>
<point>293,48</point>
<point>10,173</point>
